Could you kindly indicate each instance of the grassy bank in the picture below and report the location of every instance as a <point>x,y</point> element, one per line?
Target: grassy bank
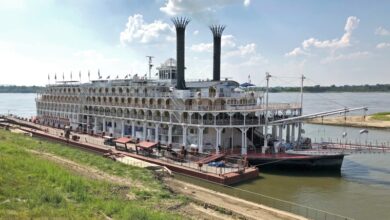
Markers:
<point>382,116</point>
<point>32,187</point>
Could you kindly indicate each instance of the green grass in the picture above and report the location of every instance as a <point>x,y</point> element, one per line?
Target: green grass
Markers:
<point>382,116</point>
<point>32,187</point>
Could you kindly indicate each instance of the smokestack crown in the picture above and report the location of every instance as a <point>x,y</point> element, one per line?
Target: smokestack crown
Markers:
<point>180,22</point>
<point>217,30</point>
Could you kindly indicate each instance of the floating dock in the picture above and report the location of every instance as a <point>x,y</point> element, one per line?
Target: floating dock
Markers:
<point>198,169</point>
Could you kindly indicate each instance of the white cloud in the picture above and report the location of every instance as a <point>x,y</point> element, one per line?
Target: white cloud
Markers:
<point>248,52</point>
<point>202,47</point>
<point>11,5</point>
<point>227,41</point>
<point>296,52</point>
<point>382,45</point>
<point>243,50</point>
<point>382,31</point>
<point>351,24</point>
<point>137,30</point>
<point>196,32</point>
<point>202,10</point>
<point>350,56</point>
<point>247,3</point>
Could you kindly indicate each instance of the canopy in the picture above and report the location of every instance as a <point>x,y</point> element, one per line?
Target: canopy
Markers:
<point>146,144</point>
<point>123,140</point>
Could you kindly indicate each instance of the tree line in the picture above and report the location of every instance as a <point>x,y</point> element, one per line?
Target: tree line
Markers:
<point>316,88</point>
<point>332,88</point>
<point>20,89</point>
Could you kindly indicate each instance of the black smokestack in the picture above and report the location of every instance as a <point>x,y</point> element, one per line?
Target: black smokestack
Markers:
<point>180,24</point>
<point>217,33</point>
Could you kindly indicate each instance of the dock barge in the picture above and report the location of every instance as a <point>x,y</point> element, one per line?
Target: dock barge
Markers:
<point>211,167</point>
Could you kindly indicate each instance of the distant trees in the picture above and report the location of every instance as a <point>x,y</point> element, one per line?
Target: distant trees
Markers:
<point>332,88</point>
<point>19,89</point>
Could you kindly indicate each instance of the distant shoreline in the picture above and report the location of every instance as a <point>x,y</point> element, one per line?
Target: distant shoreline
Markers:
<point>360,121</point>
<point>306,89</point>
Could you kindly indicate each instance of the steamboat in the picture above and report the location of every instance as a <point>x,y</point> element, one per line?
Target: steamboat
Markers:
<point>215,116</point>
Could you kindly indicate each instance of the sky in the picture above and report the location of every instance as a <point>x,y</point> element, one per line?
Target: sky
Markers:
<point>330,42</point>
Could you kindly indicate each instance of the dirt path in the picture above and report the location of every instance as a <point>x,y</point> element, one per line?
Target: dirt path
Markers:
<point>240,208</point>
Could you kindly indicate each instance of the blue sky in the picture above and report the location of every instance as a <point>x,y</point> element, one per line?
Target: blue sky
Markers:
<point>331,42</point>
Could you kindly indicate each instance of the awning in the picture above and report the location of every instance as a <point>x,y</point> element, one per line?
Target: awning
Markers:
<point>146,144</point>
<point>123,140</point>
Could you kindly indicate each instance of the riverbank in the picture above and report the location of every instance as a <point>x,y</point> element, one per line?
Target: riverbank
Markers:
<point>139,187</point>
<point>376,121</point>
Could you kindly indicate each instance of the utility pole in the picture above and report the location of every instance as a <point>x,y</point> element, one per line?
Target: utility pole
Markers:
<point>267,76</point>
<point>300,123</point>
<point>150,66</point>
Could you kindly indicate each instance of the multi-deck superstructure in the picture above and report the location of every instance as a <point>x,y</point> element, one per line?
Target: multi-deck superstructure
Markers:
<point>209,115</point>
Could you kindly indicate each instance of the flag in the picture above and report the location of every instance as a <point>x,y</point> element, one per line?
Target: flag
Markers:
<point>55,76</point>
<point>63,76</point>
<point>99,74</point>
<point>70,75</point>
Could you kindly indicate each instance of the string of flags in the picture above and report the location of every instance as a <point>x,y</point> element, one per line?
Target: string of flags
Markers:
<point>127,76</point>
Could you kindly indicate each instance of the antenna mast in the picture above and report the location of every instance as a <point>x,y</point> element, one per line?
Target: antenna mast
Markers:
<point>150,65</point>
<point>300,123</point>
<point>267,76</point>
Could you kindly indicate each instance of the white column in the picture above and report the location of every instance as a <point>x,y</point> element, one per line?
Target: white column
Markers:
<point>104,125</point>
<point>218,139</point>
<point>200,140</point>
<point>145,131</point>
<point>156,133</point>
<point>170,134</point>
<point>87,123</point>
<point>184,135</point>
<point>113,127</point>
<point>123,128</point>
<point>132,129</point>
<point>265,133</point>
<point>299,131</point>
<point>243,141</point>
<point>292,132</point>
<point>288,133</point>
<point>280,132</point>
<point>273,131</point>
<point>201,121</point>
<point>95,125</point>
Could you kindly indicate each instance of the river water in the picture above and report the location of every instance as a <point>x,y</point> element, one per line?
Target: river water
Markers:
<point>360,191</point>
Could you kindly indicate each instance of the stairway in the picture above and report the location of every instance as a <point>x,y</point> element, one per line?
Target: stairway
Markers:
<point>258,138</point>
